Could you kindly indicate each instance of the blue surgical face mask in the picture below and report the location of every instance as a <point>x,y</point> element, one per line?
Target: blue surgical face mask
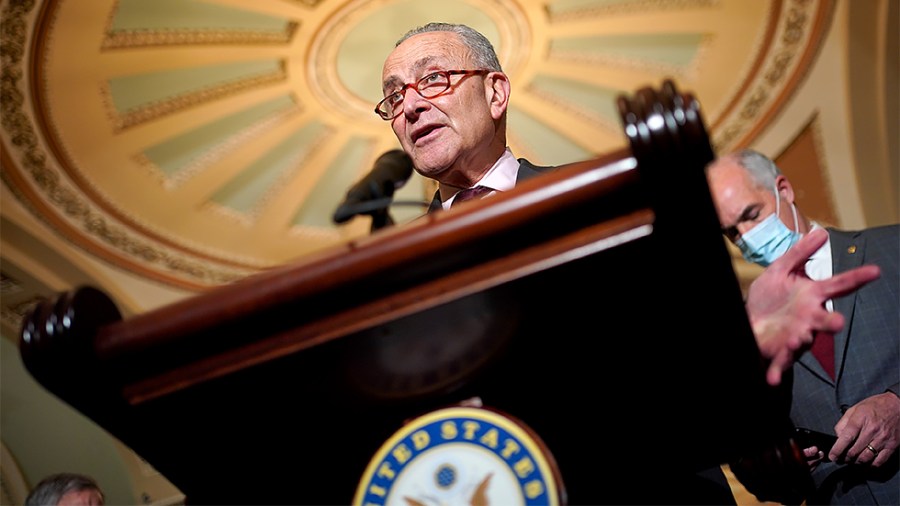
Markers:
<point>770,238</point>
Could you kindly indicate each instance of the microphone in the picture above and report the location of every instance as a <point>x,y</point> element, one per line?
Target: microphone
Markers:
<point>375,190</point>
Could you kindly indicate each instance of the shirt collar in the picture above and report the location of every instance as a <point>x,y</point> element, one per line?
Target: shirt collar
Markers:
<point>501,176</point>
<point>819,264</point>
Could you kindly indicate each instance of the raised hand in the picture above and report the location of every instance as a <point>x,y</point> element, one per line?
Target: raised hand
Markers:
<point>787,309</point>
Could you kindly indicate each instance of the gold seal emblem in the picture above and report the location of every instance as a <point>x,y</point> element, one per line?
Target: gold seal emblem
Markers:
<point>461,455</point>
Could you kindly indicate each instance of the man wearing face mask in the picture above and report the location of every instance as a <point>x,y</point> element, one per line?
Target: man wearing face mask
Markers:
<point>846,384</point>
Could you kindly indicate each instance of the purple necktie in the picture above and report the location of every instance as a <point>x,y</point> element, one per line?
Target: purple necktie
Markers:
<point>823,350</point>
<point>822,347</point>
<point>471,193</point>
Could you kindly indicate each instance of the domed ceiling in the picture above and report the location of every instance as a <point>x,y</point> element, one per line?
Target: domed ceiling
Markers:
<point>196,142</point>
<point>159,148</point>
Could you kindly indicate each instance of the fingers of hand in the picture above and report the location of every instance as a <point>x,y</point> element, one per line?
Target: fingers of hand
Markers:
<point>773,375</point>
<point>872,449</point>
<point>883,455</point>
<point>832,323</point>
<point>859,452</point>
<point>795,257</point>
<point>866,455</point>
<point>849,281</point>
<point>780,362</point>
<point>813,453</point>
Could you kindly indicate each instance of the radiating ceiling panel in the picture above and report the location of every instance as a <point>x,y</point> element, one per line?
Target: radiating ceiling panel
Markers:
<point>192,14</point>
<point>144,97</point>
<point>180,153</point>
<point>576,95</point>
<point>672,49</point>
<point>248,191</point>
<point>331,189</point>
<point>550,146</point>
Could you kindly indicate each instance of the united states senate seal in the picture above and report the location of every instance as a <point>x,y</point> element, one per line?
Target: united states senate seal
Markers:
<point>462,456</point>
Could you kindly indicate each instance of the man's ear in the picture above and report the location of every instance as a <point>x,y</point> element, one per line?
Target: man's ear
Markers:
<point>784,188</point>
<point>498,93</point>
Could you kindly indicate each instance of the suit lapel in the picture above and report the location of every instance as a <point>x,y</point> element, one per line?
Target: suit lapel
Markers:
<point>435,202</point>
<point>847,252</point>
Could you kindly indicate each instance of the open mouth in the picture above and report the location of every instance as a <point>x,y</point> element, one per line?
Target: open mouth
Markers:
<point>423,133</point>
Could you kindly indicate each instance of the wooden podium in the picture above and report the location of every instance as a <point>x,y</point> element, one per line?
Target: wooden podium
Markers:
<point>596,303</point>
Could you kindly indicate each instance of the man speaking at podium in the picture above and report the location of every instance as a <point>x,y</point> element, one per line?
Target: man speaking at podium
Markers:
<point>446,98</point>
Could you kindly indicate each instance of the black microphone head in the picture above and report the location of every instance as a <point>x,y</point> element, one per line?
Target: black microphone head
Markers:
<point>391,171</point>
<point>394,166</point>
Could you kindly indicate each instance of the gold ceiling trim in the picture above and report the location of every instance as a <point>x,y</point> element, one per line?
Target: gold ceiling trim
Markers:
<point>322,74</point>
<point>79,218</point>
<point>123,39</point>
<point>633,6</point>
<point>801,28</point>
<point>185,101</point>
<point>38,185</point>
<point>13,315</point>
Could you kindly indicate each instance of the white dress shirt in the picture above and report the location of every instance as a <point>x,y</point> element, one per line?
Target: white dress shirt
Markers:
<point>500,177</point>
<point>819,265</point>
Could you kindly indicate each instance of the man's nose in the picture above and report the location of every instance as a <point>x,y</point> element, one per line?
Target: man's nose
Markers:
<point>413,102</point>
<point>742,228</point>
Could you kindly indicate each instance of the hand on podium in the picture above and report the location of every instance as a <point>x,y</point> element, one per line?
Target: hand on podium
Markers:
<point>787,309</point>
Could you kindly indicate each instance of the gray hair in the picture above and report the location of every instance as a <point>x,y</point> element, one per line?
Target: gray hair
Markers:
<point>760,167</point>
<point>481,47</point>
<point>51,489</point>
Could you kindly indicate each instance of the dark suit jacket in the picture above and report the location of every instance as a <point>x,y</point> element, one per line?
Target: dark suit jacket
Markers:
<point>527,170</point>
<point>866,363</point>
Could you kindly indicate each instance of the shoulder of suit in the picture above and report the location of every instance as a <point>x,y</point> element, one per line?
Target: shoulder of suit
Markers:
<point>881,230</point>
<point>539,168</point>
<point>879,245</point>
